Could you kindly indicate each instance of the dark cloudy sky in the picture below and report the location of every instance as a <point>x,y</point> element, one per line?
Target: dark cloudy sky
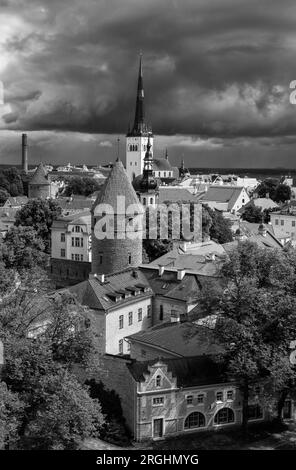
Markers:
<point>216,76</point>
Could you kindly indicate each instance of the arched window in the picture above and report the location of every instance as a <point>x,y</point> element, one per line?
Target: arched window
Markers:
<point>158,381</point>
<point>136,148</point>
<point>144,201</point>
<point>195,420</point>
<point>224,416</point>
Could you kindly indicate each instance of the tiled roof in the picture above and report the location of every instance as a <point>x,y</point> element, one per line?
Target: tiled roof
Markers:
<point>40,176</point>
<point>188,371</point>
<point>168,286</point>
<point>227,194</point>
<point>182,339</point>
<point>175,194</point>
<point>204,258</point>
<point>69,204</point>
<point>117,184</point>
<point>101,296</point>
<point>262,202</point>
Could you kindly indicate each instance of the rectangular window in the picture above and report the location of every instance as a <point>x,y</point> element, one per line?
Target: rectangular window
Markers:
<point>149,311</point>
<point>161,312</point>
<point>76,257</point>
<point>63,238</point>
<point>293,223</point>
<point>77,228</point>
<point>189,399</point>
<point>219,396</point>
<point>140,315</point>
<point>229,394</point>
<point>200,398</point>
<point>81,257</point>
<point>77,241</point>
<point>120,346</point>
<point>73,241</point>
<point>282,222</point>
<point>63,253</point>
<point>276,221</point>
<point>143,353</point>
<point>81,241</point>
<point>130,318</point>
<point>72,257</point>
<point>100,258</point>
<point>158,401</point>
<point>255,412</point>
<point>120,322</point>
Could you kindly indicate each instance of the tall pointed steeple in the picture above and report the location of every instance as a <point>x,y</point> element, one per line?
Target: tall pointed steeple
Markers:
<point>139,126</point>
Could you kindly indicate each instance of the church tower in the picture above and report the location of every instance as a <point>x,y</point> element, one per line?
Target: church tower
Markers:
<point>146,186</point>
<point>137,137</point>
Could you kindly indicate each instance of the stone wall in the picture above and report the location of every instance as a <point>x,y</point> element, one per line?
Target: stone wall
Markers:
<point>67,272</point>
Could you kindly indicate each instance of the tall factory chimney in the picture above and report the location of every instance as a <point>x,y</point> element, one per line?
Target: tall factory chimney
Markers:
<point>24,153</point>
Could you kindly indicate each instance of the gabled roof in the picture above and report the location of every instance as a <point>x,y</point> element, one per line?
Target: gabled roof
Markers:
<point>102,295</point>
<point>74,204</point>
<point>261,202</point>
<point>175,194</point>
<point>227,194</point>
<point>168,286</point>
<point>188,371</point>
<point>40,176</point>
<point>117,184</point>
<point>180,339</point>
<point>205,257</point>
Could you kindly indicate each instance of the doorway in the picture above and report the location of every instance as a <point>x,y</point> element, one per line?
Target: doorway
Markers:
<point>158,427</point>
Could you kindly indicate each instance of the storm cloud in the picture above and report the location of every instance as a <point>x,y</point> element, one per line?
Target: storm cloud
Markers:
<point>216,73</point>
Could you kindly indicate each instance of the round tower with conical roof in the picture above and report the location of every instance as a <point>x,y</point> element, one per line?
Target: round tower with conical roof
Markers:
<point>116,225</point>
<point>39,185</point>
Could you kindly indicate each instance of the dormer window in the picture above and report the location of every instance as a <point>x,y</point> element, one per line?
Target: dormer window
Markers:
<point>158,381</point>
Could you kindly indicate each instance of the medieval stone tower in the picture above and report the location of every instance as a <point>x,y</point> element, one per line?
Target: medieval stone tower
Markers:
<point>39,185</point>
<point>116,207</point>
<point>137,137</point>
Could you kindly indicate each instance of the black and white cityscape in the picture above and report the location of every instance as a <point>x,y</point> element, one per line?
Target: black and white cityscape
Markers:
<point>147,227</point>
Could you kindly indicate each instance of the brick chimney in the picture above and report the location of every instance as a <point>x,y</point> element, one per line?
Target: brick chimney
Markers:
<point>160,270</point>
<point>24,153</point>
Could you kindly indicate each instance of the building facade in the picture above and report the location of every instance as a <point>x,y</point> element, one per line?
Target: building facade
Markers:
<point>71,237</point>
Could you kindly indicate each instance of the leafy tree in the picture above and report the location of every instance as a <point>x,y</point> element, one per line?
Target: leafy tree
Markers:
<point>11,181</point>
<point>23,249</point>
<point>4,195</point>
<point>282,193</point>
<point>257,320</point>
<point>267,188</point>
<point>81,185</point>
<point>66,413</point>
<point>216,226</point>
<point>39,214</point>
<point>11,412</point>
<point>255,215</point>
<point>45,338</point>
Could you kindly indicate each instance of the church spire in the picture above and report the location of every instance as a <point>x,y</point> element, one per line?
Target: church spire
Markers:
<point>139,126</point>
